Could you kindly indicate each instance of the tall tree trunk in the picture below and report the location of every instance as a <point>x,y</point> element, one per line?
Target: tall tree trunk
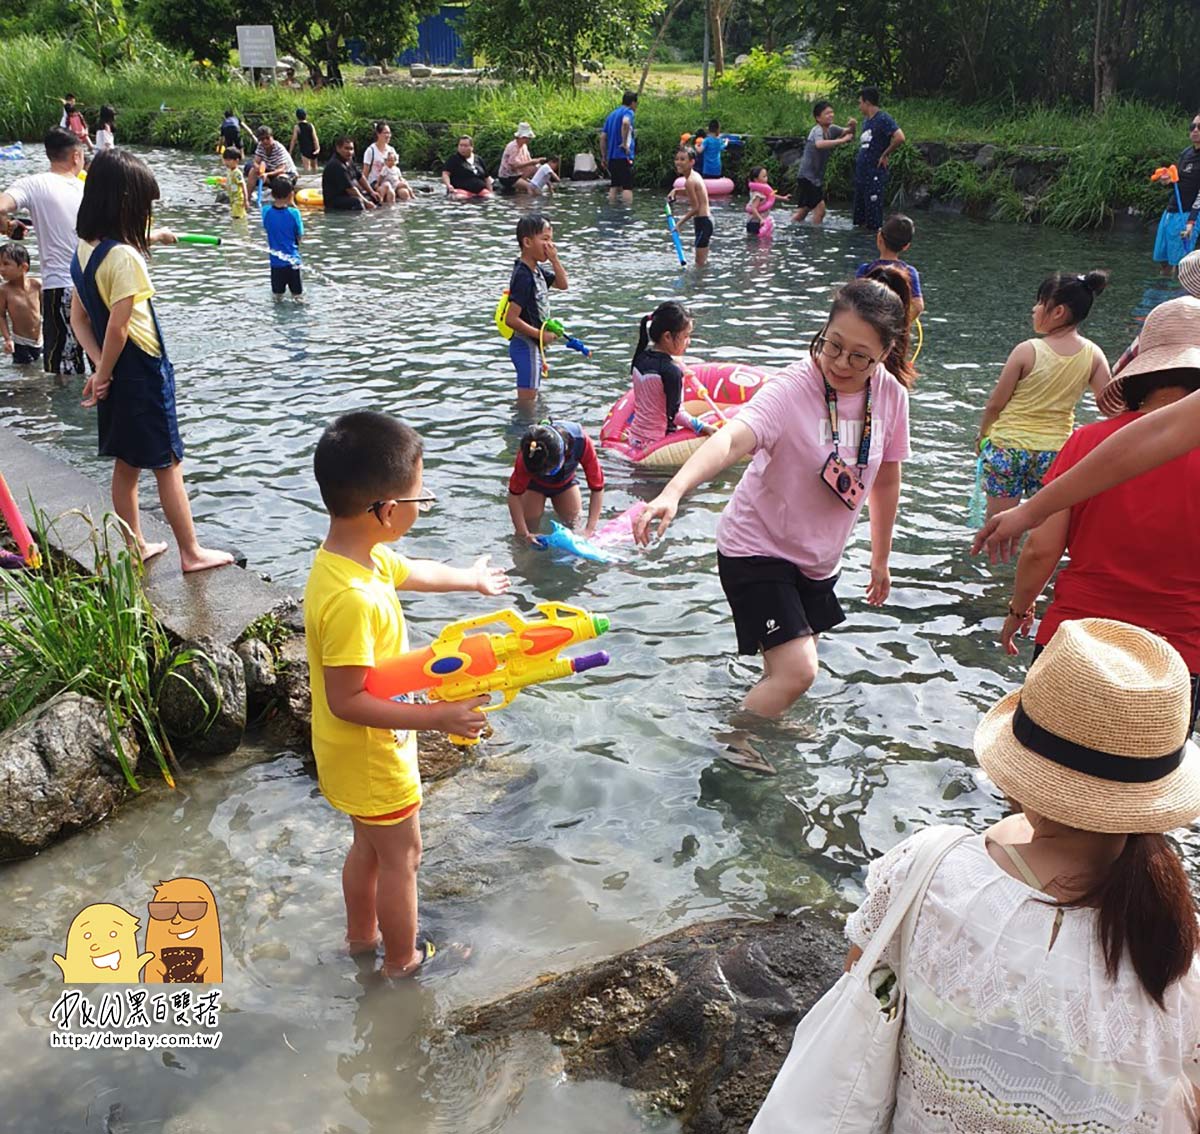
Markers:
<point>657,40</point>
<point>719,10</point>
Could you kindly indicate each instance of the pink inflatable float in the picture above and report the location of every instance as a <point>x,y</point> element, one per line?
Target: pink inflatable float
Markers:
<point>724,387</point>
<point>717,186</point>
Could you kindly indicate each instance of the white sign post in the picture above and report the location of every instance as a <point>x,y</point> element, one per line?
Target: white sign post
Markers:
<point>256,46</point>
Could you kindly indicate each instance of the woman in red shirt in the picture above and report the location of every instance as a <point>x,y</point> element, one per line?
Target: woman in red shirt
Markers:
<point>1134,550</point>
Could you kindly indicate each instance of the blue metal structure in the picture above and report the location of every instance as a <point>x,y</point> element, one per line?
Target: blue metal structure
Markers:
<point>438,43</point>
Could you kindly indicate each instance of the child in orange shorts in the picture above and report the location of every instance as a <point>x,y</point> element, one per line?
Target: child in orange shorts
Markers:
<point>369,470</point>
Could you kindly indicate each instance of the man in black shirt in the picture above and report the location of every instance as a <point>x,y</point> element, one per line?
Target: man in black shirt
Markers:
<point>342,183</point>
<point>464,171</point>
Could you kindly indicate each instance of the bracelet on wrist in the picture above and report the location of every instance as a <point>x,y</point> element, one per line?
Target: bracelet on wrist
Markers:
<point>1012,613</point>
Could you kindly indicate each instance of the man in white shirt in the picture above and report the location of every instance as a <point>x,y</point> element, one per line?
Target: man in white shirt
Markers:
<point>52,199</point>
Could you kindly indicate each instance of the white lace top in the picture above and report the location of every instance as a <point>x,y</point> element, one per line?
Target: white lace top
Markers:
<point>1004,1035</point>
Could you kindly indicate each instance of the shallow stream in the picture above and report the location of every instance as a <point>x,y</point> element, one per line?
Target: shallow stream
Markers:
<point>601,815</point>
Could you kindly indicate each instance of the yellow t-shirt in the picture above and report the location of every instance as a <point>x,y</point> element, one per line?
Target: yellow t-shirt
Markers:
<point>1041,412</point>
<point>124,273</point>
<point>353,617</point>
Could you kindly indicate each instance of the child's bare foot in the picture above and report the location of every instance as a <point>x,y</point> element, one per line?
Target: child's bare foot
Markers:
<point>202,559</point>
<point>150,550</point>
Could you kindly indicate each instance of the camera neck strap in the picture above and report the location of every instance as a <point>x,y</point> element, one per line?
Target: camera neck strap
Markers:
<point>864,444</point>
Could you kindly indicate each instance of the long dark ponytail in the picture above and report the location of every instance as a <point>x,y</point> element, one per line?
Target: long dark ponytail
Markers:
<point>1146,909</point>
<point>668,319</point>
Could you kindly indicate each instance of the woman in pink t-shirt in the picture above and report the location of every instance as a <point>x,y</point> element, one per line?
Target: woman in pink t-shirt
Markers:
<point>826,435</point>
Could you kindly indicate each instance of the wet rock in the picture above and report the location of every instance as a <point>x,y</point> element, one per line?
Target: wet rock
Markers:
<point>259,665</point>
<point>59,772</point>
<point>438,758</point>
<point>698,1021</point>
<point>294,695</point>
<point>190,694</point>
<point>985,160</point>
<point>918,197</point>
<point>934,153</point>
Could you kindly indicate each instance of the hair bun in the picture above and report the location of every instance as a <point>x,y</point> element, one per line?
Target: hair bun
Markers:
<point>1096,280</point>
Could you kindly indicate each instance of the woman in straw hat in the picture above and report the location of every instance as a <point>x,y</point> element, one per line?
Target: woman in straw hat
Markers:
<point>516,166</point>
<point>1053,982</point>
<point>1110,574</point>
<point>1145,444</point>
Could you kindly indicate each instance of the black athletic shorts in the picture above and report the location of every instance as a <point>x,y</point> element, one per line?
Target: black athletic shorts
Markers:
<point>507,185</point>
<point>285,277</point>
<point>704,231</point>
<point>773,601</point>
<point>808,195</point>
<point>620,173</point>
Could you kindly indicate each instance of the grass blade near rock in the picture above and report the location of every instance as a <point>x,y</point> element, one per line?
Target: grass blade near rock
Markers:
<point>93,633</point>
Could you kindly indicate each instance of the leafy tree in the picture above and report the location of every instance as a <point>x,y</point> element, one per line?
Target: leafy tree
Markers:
<point>205,28</point>
<point>547,39</point>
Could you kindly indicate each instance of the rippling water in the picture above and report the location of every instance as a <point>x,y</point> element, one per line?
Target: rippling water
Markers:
<point>600,816</point>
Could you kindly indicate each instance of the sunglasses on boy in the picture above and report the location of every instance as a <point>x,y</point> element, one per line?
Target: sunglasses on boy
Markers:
<point>424,503</point>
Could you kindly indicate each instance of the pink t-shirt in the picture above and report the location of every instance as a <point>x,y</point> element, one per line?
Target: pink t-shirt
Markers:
<point>781,507</point>
<point>515,154</point>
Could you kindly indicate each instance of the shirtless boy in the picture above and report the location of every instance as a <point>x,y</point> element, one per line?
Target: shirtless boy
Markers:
<point>20,305</point>
<point>697,198</point>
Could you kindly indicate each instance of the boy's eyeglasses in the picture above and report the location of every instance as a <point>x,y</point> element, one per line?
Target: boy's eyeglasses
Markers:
<point>856,359</point>
<point>423,503</point>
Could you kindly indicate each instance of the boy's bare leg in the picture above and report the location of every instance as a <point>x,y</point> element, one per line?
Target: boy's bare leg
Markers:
<point>799,215</point>
<point>701,256</point>
<point>818,214</point>
<point>568,506</point>
<point>398,849</point>
<point>360,873</point>
<point>125,504</point>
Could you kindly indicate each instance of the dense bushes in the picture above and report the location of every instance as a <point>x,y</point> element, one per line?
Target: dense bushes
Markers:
<point>1106,167</point>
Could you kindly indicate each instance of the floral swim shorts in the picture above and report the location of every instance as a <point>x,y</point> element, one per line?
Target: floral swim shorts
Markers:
<point>1015,472</point>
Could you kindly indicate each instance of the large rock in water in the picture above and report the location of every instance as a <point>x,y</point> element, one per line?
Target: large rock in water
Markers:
<point>698,1021</point>
<point>59,772</point>
<point>185,715</point>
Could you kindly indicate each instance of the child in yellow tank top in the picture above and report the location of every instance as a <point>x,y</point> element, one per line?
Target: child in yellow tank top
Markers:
<point>1031,411</point>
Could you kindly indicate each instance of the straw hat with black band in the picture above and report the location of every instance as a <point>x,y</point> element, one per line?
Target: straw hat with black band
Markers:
<point>1170,340</point>
<point>1098,736</point>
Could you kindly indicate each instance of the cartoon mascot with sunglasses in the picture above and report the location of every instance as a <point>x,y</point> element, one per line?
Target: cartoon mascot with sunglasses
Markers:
<point>184,934</point>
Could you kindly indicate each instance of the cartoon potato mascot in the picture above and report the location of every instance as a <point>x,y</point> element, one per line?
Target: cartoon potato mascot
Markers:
<point>184,934</point>
<point>102,947</point>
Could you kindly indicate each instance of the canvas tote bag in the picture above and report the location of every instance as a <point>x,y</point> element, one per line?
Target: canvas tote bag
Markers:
<point>840,1074</point>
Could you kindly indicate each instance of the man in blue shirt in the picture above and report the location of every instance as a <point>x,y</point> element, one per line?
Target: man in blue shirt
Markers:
<point>880,136</point>
<point>618,148</point>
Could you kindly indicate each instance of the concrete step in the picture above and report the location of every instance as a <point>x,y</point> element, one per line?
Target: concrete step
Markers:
<point>220,603</point>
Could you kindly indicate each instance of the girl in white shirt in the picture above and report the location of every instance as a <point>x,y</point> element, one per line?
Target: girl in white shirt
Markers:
<point>375,160</point>
<point>104,133</point>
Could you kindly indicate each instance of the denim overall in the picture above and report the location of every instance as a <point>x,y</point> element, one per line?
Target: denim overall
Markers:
<point>137,420</point>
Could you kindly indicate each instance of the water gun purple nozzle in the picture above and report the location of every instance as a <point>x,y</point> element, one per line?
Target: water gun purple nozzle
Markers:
<point>590,661</point>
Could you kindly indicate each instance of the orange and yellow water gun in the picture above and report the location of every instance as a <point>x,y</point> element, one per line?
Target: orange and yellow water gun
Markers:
<point>1170,175</point>
<point>458,664</point>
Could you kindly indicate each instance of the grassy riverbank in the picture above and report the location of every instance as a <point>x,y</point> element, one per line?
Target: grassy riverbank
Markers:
<point>1108,158</point>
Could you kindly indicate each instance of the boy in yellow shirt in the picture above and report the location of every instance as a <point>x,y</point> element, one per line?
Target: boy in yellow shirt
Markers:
<point>369,470</point>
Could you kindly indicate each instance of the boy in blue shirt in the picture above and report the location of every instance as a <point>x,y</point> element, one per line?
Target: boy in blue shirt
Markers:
<point>529,301</point>
<point>880,136</point>
<point>894,239</point>
<point>284,228</point>
<point>711,150</point>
